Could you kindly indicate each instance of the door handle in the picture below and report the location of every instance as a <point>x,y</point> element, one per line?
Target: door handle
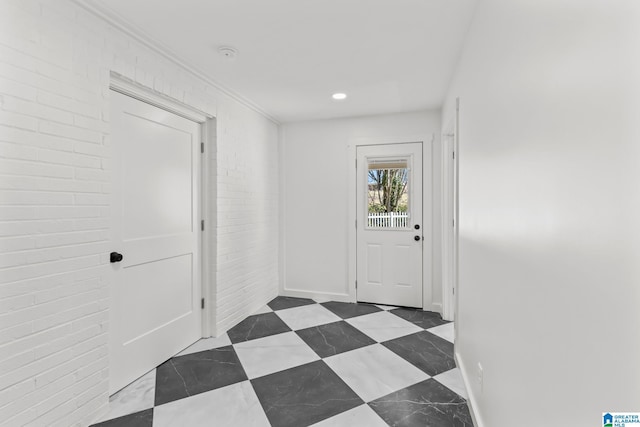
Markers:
<point>115,257</point>
<point>417,238</point>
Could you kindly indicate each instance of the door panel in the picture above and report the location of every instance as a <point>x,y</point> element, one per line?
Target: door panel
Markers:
<point>155,298</point>
<point>374,264</point>
<point>389,206</point>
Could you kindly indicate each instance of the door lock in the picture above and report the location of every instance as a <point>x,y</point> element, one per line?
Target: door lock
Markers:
<point>417,227</point>
<point>417,238</point>
<point>115,257</point>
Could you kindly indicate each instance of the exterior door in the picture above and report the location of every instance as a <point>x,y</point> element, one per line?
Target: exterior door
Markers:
<point>155,293</point>
<point>389,224</point>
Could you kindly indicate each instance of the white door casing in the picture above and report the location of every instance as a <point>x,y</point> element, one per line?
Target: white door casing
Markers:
<point>450,159</point>
<point>389,261</point>
<point>156,288</point>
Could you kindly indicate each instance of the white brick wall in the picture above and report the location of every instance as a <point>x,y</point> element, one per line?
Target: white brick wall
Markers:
<point>55,63</point>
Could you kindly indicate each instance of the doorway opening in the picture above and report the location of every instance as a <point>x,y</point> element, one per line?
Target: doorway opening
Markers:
<point>390,204</point>
<point>157,294</point>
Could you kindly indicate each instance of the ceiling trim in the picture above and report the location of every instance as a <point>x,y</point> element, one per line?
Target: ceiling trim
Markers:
<point>140,36</point>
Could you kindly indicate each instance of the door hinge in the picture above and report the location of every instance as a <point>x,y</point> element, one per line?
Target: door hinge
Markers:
<point>356,284</point>
<point>202,147</point>
<point>454,155</point>
<point>202,225</point>
<point>202,303</point>
<point>356,221</point>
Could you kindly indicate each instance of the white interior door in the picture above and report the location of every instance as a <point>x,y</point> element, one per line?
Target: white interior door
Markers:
<point>389,224</point>
<point>155,294</point>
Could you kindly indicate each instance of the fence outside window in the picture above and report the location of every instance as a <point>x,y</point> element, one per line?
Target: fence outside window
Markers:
<point>387,219</point>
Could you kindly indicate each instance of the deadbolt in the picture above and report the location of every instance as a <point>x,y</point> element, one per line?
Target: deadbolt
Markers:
<point>416,238</point>
<point>417,227</point>
<point>115,257</point>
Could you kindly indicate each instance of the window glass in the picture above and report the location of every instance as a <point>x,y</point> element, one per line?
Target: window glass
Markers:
<point>387,193</point>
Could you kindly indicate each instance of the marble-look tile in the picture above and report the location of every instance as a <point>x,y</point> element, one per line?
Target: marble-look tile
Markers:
<point>275,353</point>
<point>428,404</point>
<point>233,405</point>
<point>444,331</point>
<point>452,379</point>
<point>138,419</point>
<point>334,338</point>
<point>374,371</point>
<point>206,344</point>
<point>428,352</point>
<point>304,395</point>
<point>264,309</point>
<point>347,310</point>
<point>196,373</point>
<point>383,326</point>
<point>307,316</point>
<point>281,303</point>
<point>136,397</point>
<point>362,416</point>
<point>424,319</point>
<point>258,326</point>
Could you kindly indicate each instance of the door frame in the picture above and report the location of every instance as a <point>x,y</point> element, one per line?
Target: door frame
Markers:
<point>207,123</point>
<point>427,210</point>
<point>450,166</point>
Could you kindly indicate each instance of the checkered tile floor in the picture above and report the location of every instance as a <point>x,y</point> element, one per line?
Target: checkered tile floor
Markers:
<point>299,363</point>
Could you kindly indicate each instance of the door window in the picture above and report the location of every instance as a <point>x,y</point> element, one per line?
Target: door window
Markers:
<point>388,193</point>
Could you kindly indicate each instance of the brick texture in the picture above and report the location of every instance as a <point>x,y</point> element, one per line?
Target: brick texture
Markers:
<point>55,65</point>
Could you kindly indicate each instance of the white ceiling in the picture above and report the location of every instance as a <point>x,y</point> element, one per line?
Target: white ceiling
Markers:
<point>387,55</point>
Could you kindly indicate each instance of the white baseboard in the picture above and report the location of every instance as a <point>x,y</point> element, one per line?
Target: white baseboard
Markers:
<point>320,296</point>
<point>435,307</point>
<point>471,401</point>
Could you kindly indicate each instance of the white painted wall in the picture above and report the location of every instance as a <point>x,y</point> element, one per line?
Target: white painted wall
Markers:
<point>549,288</point>
<point>55,60</point>
<point>314,183</point>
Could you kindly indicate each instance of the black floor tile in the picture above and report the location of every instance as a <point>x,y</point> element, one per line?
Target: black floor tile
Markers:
<point>138,419</point>
<point>304,395</point>
<point>347,310</point>
<point>424,319</point>
<point>257,326</point>
<point>428,352</point>
<point>426,404</point>
<point>280,303</point>
<point>196,373</point>
<point>334,338</point>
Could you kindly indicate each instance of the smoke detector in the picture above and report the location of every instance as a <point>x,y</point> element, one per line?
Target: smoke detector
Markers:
<point>228,52</point>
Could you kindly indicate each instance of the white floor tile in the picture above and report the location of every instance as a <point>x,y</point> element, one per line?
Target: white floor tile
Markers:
<point>383,326</point>
<point>265,309</point>
<point>137,396</point>
<point>307,316</point>
<point>206,344</point>
<point>374,371</point>
<point>453,380</point>
<point>234,405</point>
<point>362,416</point>
<point>445,331</point>
<point>272,354</point>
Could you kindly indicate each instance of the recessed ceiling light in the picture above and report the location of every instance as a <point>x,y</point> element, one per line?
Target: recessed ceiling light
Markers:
<point>228,52</point>
<point>339,96</point>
